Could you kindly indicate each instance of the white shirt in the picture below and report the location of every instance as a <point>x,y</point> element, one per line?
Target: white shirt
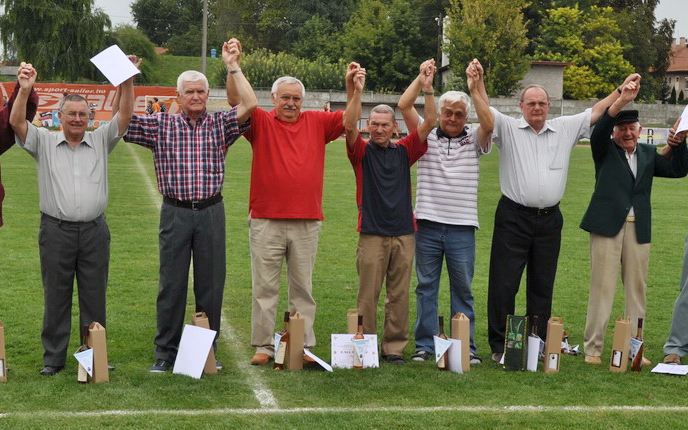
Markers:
<point>447,179</point>
<point>72,182</point>
<point>533,166</point>
<point>632,159</point>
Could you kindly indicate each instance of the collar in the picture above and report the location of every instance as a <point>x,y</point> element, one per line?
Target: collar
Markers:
<point>522,123</point>
<point>620,148</point>
<point>200,119</point>
<point>391,145</point>
<point>62,139</point>
<point>441,133</point>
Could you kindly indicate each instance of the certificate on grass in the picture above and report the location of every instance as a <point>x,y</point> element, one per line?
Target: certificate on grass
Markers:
<point>193,350</point>
<point>683,125</point>
<point>343,351</point>
<point>114,64</point>
<point>671,369</point>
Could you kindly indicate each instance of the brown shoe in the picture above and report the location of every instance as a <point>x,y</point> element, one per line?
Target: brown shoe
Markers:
<point>260,359</point>
<point>592,360</point>
<point>307,359</point>
<point>672,359</point>
<point>646,362</point>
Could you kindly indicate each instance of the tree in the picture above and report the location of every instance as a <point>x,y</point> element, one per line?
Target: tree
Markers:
<point>58,37</point>
<point>161,20</point>
<point>590,40</point>
<point>492,31</point>
<point>672,97</point>
<point>381,36</point>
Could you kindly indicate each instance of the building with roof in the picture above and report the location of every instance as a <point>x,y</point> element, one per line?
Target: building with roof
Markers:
<point>677,73</point>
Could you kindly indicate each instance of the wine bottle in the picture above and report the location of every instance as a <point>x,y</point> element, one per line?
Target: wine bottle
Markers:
<point>82,374</point>
<point>637,364</point>
<point>283,344</point>
<point>444,360</point>
<point>358,362</point>
<point>534,326</point>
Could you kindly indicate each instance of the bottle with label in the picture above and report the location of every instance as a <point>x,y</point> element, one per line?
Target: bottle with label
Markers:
<point>283,344</point>
<point>358,361</point>
<point>443,362</point>
<point>82,374</point>
<point>637,364</point>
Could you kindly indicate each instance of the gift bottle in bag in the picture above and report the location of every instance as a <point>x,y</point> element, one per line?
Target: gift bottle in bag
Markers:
<point>358,361</point>
<point>283,344</point>
<point>443,362</point>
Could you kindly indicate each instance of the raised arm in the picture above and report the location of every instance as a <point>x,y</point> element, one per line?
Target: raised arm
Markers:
<point>481,103</point>
<point>351,71</point>
<point>673,139</point>
<point>118,91</point>
<point>237,84</point>
<point>355,77</point>
<point>430,108</point>
<point>26,75</point>
<point>407,100</point>
<point>628,93</point>
<point>599,107</point>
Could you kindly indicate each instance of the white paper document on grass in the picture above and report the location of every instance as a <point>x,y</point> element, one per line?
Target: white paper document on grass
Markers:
<point>534,348</point>
<point>683,125</point>
<point>193,350</point>
<point>671,369</point>
<point>114,64</point>
<point>85,359</point>
<point>317,360</point>
<point>343,350</point>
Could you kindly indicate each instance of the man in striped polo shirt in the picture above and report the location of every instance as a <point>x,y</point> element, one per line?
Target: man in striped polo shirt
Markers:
<point>447,204</point>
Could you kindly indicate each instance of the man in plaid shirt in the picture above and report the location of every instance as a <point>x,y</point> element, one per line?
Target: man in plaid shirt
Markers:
<point>189,151</point>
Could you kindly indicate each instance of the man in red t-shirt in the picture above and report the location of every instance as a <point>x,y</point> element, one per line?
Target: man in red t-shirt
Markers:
<point>285,205</point>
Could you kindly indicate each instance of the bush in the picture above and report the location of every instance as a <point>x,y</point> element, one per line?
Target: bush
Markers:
<point>134,42</point>
<point>263,67</point>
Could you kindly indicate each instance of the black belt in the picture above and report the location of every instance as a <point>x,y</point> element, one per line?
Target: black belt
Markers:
<point>195,205</point>
<point>535,211</point>
<point>65,222</point>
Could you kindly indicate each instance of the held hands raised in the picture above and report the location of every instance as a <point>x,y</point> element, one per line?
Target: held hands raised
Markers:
<point>474,73</point>
<point>231,53</point>
<point>355,76</point>
<point>26,75</point>
<point>427,74</point>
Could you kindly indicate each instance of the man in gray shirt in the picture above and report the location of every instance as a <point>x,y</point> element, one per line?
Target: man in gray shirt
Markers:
<point>74,239</point>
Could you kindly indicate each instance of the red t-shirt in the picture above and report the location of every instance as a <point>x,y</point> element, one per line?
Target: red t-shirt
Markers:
<point>288,163</point>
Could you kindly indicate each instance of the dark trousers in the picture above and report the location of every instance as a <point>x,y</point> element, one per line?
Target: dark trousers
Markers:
<point>185,233</point>
<point>67,249</point>
<point>522,237</point>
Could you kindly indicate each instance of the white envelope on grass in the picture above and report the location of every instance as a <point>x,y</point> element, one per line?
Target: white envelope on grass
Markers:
<point>85,358</point>
<point>193,350</point>
<point>455,356</point>
<point>534,349</point>
<point>114,64</point>
<point>441,347</point>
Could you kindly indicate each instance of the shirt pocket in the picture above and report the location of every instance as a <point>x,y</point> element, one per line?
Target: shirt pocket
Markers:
<point>92,171</point>
<point>555,151</point>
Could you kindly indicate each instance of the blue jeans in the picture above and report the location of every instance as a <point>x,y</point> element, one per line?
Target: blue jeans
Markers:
<point>434,243</point>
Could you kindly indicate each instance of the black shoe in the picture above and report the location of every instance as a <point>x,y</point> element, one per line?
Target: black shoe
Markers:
<point>50,370</point>
<point>421,356</point>
<point>394,359</point>
<point>111,368</point>
<point>218,364</point>
<point>160,366</point>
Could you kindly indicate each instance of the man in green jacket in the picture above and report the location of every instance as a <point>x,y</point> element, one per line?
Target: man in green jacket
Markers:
<point>619,214</point>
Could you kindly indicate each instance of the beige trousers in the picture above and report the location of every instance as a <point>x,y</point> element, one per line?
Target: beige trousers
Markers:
<point>380,258</point>
<point>272,241</point>
<point>606,255</point>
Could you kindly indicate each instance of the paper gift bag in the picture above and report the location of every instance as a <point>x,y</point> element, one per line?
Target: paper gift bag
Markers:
<point>515,342</point>
<point>294,360</point>
<point>621,345</point>
<point>555,333</point>
<point>200,319</point>
<point>352,321</point>
<point>461,330</point>
<point>97,341</point>
<point>3,362</point>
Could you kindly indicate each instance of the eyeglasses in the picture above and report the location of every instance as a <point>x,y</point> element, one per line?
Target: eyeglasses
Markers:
<point>73,115</point>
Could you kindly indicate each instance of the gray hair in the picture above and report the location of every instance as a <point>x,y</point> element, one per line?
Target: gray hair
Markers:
<point>384,109</point>
<point>451,97</point>
<point>523,93</point>
<point>72,98</point>
<point>287,80</point>
<point>191,76</point>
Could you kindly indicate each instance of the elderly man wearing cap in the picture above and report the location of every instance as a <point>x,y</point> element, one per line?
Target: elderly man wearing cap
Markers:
<point>618,216</point>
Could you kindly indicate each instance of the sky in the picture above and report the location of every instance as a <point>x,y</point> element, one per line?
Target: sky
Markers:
<point>120,13</point>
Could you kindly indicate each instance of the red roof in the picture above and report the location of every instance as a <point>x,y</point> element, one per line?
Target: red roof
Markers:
<point>679,58</point>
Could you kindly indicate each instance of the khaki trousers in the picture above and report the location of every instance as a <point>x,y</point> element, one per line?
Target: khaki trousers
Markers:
<point>606,255</point>
<point>380,258</point>
<point>272,241</point>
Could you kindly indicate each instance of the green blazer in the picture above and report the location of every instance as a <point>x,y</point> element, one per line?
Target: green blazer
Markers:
<point>616,190</point>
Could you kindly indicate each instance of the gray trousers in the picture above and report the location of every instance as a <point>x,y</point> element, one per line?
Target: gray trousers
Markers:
<point>68,249</point>
<point>185,233</point>
<point>678,333</point>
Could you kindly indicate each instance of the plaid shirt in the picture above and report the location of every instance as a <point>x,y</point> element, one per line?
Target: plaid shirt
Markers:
<point>189,161</point>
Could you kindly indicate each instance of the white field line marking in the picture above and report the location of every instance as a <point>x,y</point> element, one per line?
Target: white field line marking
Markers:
<point>254,379</point>
<point>335,410</point>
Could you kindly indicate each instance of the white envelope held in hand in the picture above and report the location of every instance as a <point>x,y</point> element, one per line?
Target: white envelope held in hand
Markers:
<point>194,348</point>
<point>114,64</point>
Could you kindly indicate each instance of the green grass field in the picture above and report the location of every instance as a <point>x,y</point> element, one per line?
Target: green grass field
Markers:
<point>410,396</point>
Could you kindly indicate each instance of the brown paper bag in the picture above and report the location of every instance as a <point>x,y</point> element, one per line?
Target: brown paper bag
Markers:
<point>621,345</point>
<point>200,319</point>
<point>294,361</point>
<point>555,332</point>
<point>352,321</point>
<point>461,330</point>
<point>97,341</point>
<point>3,361</point>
